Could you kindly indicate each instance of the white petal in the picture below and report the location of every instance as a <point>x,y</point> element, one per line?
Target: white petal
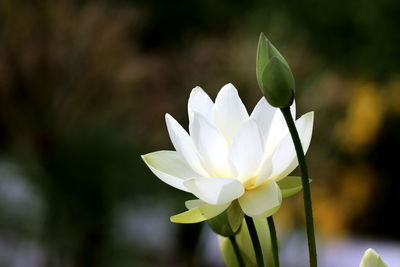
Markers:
<point>246,152</point>
<point>169,167</point>
<point>211,146</point>
<point>263,114</point>
<point>293,109</point>
<point>184,145</point>
<point>229,111</point>
<point>215,190</point>
<point>201,103</point>
<point>262,201</point>
<point>264,172</point>
<point>278,129</point>
<point>284,159</point>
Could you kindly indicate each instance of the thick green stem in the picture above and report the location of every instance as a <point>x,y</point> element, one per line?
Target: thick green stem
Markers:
<point>255,241</point>
<point>274,240</point>
<point>237,251</point>
<point>306,186</point>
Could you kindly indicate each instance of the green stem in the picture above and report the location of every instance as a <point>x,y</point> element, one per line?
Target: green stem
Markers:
<point>274,240</point>
<point>255,240</point>
<point>306,186</point>
<point>237,251</point>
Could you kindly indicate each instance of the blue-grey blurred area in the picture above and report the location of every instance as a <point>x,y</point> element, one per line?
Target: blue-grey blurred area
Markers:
<point>84,86</point>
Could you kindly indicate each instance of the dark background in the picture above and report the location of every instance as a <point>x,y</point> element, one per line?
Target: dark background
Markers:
<point>84,86</point>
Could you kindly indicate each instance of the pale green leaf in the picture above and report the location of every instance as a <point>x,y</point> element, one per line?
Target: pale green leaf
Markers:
<point>199,214</point>
<point>290,185</point>
<point>228,222</point>
<point>235,216</point>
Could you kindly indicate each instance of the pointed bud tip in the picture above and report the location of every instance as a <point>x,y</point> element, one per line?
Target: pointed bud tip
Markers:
<point>265,39</point>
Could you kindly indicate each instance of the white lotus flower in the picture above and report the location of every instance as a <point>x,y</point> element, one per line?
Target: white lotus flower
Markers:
<point>228,155</point>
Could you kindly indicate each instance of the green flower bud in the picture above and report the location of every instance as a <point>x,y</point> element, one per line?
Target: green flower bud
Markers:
<point>265,51</point>
<point>228,222</point>
<point>245,245</point>
<point>372,259</point>
<point>274,76</point>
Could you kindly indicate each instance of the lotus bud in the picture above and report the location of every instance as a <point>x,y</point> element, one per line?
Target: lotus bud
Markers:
<point>274,76</point>
<point>372,259</point>
<point>243,240</point>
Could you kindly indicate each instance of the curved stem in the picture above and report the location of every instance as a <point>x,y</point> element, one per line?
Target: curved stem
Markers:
<point>306,186</point>
<point>255,240</point>
<point>237,251</point>
<point>274,240</point>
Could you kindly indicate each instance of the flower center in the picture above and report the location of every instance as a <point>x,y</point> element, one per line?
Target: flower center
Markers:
<point>249,183</point>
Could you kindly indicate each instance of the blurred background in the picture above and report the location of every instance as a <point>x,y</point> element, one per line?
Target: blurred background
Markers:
<point>84,86</point>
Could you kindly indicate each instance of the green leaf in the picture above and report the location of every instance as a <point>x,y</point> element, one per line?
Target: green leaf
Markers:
<point>278,83</point>
<point>290,185</point>
<point>199,213</point>
<point>235,216</point>
<point>372,259</point>
<point>228,222</point>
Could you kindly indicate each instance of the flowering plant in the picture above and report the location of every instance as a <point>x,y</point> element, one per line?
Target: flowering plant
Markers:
<point>230,155</point>
<point>237,165</point>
